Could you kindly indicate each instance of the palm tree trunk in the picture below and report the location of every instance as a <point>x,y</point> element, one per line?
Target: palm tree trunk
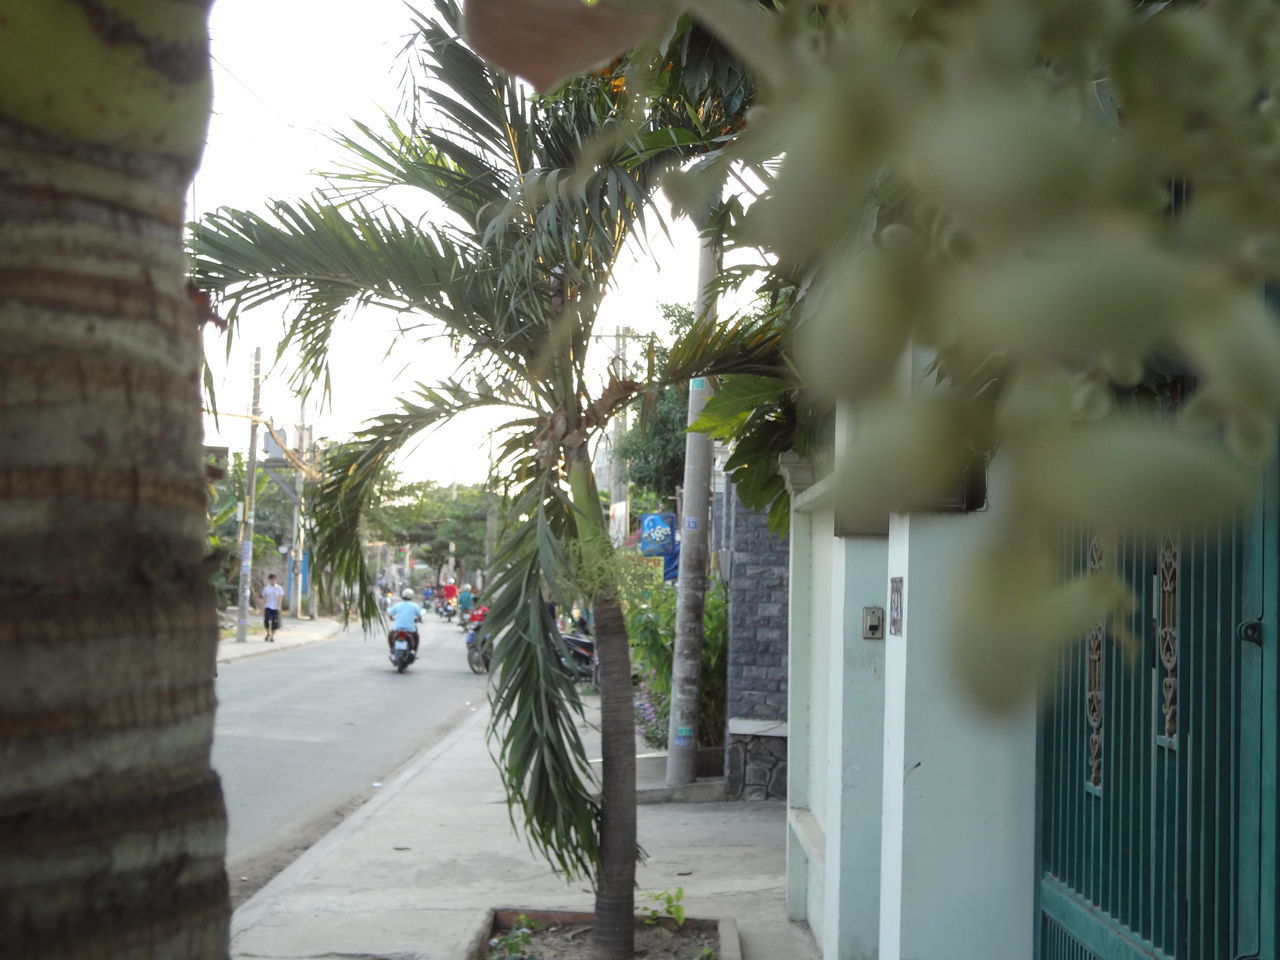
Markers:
<point>613,933</point>
<point>111,819</point>
<point>614,930</point>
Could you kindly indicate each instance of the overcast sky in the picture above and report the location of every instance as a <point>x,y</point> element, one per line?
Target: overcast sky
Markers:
<point>286,72</point>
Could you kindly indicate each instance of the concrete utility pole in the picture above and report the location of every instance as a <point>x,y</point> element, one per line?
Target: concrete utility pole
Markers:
<point>295,544</point>
<point>490,519</point>
<point>682,734</point>
<point>453,547</point>
<point>619,502</point>
<point>246,530</point>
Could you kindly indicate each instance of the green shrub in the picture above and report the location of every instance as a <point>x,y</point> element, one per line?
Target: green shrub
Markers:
<point>650,606</point>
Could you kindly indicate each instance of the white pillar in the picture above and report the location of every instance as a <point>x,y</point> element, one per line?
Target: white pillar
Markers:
<point>835,691</point>
<point>958,848</point>
<point>856,678</point>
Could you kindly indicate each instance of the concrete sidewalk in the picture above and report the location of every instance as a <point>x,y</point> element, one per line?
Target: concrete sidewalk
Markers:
<point>292,633</point>
<point>412,874</point>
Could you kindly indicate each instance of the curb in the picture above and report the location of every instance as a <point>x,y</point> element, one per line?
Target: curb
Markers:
<point>730,945</point>
<point>480,937</point>
<point>710,790</point>
<point>328,635</point>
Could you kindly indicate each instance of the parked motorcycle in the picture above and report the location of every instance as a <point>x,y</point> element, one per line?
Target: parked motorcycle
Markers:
<point>578,657</point>
<point>402,650</point>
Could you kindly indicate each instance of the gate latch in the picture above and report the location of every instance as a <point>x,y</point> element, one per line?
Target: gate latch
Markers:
<point>1250,632</point>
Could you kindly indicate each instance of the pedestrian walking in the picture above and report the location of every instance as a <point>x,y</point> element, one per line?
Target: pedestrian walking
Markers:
<point>272,595</point>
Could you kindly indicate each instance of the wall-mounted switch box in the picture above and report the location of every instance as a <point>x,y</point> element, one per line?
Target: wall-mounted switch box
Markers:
<point>873,623</point>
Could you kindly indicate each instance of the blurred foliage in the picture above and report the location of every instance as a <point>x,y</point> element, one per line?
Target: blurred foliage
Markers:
<point>999,216</point>
<point>1042,201</point>
<point>650,607</point>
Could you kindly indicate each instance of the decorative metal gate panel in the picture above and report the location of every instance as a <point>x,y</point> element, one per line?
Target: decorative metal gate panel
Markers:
<point>1151,758</point>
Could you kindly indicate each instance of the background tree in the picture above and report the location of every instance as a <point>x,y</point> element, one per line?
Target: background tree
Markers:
<point>272,526</point>
<point>428,517</point>
<point>653,449</point>
<point>111,820</point>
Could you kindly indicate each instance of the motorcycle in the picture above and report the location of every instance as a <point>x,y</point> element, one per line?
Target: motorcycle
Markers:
<point>446,610</point>
<point>578,657</point>
<point>402,650</point>
<point>479,646</point>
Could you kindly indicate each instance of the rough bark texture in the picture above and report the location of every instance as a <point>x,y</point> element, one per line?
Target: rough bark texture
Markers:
<point>613,933</point>
<point>614,929</point>
<point>111,819</point>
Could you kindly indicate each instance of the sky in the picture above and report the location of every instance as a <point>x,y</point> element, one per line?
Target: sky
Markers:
<point>286,74</point>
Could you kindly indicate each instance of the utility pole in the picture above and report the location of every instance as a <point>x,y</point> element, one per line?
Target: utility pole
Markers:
<point>453,547</point>
<point>691,596</point>
<point>250,481</point>
<point>490,518</point>
<point>295,542</point>
<point>619,502</point>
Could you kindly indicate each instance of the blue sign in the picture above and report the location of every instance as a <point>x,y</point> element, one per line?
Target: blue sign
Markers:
<point>671,565</point>
<point>658,534</point>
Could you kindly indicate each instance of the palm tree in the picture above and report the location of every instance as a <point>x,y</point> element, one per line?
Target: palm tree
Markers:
<point>513,273</point>
<point>111,819</point>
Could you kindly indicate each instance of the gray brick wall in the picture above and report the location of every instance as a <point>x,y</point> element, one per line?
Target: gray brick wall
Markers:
<point>757,575</point>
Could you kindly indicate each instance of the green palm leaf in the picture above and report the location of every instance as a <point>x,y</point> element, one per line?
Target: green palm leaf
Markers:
<point>353,470</point>
<point>750,344</point>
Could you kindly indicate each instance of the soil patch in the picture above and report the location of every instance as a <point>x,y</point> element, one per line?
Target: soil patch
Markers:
<point>568,937</point>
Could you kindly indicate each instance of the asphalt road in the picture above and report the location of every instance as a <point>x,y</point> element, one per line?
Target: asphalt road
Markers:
<point>303,736</point>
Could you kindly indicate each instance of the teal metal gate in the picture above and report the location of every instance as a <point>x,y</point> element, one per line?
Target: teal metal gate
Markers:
<point>1156,779</point>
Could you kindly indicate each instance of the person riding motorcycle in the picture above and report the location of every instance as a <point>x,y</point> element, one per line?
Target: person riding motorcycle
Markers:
<point>405,616</point>
<point>466,604</point>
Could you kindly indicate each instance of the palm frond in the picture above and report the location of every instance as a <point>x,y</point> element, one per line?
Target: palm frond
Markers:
<point>544,766</point>
<point>352,472</point>
<point>749,344</point>
<point>400,157</point>
<point>327,260</point>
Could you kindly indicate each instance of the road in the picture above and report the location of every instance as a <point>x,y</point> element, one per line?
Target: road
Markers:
<point>303,737</point>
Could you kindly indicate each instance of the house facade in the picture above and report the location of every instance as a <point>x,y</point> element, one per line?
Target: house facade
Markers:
<point>1130,812</point>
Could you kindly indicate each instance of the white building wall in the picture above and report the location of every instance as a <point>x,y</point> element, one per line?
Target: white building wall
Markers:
<point>857,718</point>
<point>958,851</point>
<point>823,767</point>
<point>835,720</point>
<point>893,741</point>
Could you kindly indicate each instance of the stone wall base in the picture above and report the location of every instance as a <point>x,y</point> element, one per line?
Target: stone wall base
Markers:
<point>756,767</point>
